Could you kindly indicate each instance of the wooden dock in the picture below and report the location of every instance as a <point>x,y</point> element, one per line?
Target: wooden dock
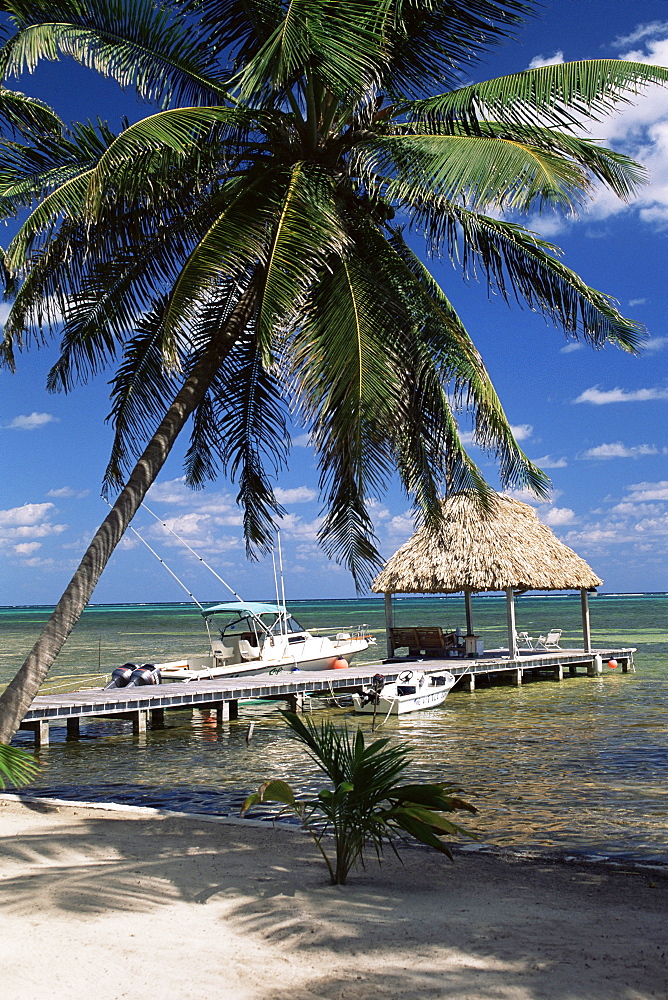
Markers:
<point>144,705</point>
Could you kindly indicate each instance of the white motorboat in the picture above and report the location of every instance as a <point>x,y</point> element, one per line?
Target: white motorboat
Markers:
<point>250,638</point>
<point>413,690</point>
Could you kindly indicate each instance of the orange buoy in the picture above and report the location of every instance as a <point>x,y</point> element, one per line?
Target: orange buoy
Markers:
<point>338,663</point>
<point>612,664</point>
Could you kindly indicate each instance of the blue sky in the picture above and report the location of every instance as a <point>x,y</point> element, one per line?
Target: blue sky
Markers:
<point>595,421</point>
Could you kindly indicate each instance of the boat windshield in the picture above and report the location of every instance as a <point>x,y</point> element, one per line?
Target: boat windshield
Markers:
<point>266,623</point>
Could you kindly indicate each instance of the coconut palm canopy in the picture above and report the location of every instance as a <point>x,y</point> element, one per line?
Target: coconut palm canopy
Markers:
<point>503,547</point>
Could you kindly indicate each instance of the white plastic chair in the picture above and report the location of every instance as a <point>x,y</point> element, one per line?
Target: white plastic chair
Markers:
<point>525,640</point>
<point>549,641</point>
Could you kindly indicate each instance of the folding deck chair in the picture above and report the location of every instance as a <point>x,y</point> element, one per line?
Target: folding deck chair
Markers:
<point>549,641</point>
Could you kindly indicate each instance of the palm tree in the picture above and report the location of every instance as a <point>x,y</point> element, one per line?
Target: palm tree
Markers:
<point>241,251</point>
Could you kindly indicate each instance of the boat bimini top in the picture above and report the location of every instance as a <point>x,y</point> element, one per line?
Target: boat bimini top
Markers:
<point>244,616</point>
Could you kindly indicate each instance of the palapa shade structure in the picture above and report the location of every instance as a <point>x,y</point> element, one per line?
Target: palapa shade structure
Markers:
<point>503,548</point>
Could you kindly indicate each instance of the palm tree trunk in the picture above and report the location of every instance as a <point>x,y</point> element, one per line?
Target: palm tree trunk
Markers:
<point>17,697</point>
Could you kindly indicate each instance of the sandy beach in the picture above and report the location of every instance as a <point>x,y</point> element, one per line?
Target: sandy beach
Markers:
<point>107,904</point>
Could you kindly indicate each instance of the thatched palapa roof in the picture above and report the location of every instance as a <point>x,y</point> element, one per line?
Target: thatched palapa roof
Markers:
<point>477,551</point>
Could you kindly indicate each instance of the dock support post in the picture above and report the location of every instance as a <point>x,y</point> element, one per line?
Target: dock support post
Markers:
<point>517,677</point>
<point>158,718</point>
<point>468,682</point>
<point>572,669</point>
<point>139,722</point>
<point>227,711</point>
<point>40,731</point>
<point>626,664</point>
<point>73,728</point>
<point>295,702</point>
<point>559,672</point>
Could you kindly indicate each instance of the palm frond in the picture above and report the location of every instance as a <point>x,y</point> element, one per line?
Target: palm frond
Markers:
<point>26,115</point>
<point>516,262</point>
<point>141,45</point>
<point>565,95</point>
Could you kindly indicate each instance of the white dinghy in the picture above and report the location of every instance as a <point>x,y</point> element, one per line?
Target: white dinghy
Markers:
<point>412,691</point>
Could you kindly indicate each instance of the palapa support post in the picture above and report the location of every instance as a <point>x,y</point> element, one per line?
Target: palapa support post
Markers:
<point>510,615</point>
<point>468,608</point>
<point>586,622</point>
<point>389,622</point>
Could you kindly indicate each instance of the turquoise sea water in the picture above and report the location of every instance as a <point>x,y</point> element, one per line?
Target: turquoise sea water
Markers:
<point>574,766</point>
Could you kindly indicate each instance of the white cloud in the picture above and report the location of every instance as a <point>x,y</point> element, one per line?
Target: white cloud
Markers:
<point>547,462</point>
<point>557,516</point>
<point>640,130</point>
<point>4,312</point>
<point>574,345</point>
<point>541,60</point>
<point>637,302</point>
<point>649,30</point>
<point>29,513</point>
<point>67,493</point>
<point>648,491</point>
<point>298,494</point>
<point>172,491</point>
<point>27,548</point>
<point>22,525</point>
<point>293,527</point>
<point>600,397</point>
<point>30,421</point>
<point>301,441</point>
<point>521,432</point>
<point>619,450</point>
<point>655,344</point>
<point>402,525</point>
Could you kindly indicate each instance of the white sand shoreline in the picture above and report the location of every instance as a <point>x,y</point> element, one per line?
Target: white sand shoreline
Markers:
<point>123,902</point>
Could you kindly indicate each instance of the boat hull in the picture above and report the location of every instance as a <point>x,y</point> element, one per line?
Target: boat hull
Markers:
<point>391,702</point>
<point>209,667</point>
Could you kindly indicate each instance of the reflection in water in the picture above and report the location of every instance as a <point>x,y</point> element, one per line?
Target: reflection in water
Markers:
<point>578,765</point>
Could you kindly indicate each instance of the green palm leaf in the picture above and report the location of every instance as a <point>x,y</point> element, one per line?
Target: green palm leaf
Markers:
<point>563,94</point>
<point>140,45</point>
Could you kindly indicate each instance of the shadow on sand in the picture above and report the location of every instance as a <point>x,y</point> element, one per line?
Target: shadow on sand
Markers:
<point>482,929</point>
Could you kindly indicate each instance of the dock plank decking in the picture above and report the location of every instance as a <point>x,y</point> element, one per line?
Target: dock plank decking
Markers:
<point>225,693</point>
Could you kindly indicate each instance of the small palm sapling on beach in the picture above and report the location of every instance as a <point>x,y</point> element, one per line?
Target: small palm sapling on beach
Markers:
<point>16,767</point>
<point>367,804</point>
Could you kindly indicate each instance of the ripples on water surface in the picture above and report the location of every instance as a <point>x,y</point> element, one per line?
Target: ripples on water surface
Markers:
<point>579,765</point>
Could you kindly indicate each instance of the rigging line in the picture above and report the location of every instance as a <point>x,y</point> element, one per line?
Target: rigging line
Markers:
<point>190,549</point>
<point>280,571</point>
<point>255,617</point>
<point>153,552</point>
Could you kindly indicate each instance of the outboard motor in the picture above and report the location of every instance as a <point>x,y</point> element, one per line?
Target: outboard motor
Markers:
<point>120,677</point>
<point>146,674</point>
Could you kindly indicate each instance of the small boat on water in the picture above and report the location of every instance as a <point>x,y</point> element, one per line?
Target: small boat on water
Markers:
<point>249,638</point>
<point>413,690</point>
